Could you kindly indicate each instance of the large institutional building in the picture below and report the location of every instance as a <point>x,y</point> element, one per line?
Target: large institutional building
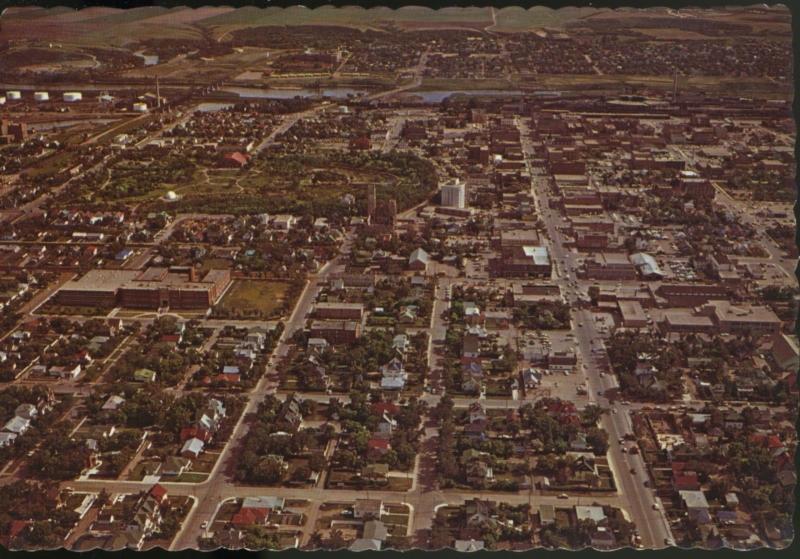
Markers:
<point>152,288</point>
<point>454,195</point>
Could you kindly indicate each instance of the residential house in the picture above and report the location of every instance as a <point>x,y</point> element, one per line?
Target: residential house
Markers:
<point>368,508</point>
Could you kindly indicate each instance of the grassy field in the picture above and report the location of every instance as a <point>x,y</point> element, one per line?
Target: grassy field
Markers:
<point>264,296</point>
<point>447,84</point>
<point>594,83</point>
<point>520,19</point>
<point>191,477</point>
<point>353,16</point>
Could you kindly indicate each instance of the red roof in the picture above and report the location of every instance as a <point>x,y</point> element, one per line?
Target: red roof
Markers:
<point>16,527</point>
<point>770,441</point>
<point>195,432</point>
<point>158,492</point>
<point>379,444</point>
<point>687,481</point>
<point>248,516</point>
<point>236,157</point>
<point>774,442</point>
<point>384,407</point>
<point>678,467</point>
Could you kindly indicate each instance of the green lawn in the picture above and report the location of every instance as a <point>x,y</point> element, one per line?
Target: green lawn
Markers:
<point>263,296</point>
<point>191,477</point>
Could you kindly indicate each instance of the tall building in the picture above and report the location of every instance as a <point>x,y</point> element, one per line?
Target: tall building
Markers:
<point>454,194</point>
<point>13,131</point>
<point>371,201</point>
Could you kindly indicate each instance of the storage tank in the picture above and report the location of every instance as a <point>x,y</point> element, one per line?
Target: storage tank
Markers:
<point>140,107</point>
<point>13,95</point>
<point>72,96</point>
<point>41,96</point>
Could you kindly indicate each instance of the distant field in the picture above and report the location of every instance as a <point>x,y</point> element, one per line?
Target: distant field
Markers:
<point>130,16</point>
<point>744,86</point>
<point>32,12</point>
<point>520,19</point>
<point>189,15</point>
<point>440,84</point>
<point>108,26</point>
<point>350,15</point>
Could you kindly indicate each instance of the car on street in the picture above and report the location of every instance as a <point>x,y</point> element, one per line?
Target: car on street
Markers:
<point>204,525</point>
<point>563,496</point>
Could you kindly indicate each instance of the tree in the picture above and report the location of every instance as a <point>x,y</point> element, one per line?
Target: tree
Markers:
<point>547,463</point>
<point>440,534</point>
<point>258,538</point>
<point>591,414</point>
<point>269,470</point>
<point>597,439</point>
<point>308,407</point>
<point>301,474</point>
<point>317,462</point>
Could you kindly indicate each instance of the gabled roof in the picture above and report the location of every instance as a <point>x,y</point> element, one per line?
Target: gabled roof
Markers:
<point>193,445</point>
<point>364,544</point>
<point>17,424</point>
<point>419,255</point>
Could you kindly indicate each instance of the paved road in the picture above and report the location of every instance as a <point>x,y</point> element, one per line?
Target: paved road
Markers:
<point>219,485</point>
<point>652,524</point>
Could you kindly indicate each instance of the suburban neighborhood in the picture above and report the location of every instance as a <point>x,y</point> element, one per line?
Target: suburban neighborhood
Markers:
<point>475,279</point>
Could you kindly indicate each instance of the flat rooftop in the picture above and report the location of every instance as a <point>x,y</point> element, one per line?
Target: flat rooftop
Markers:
<point>101,280</point>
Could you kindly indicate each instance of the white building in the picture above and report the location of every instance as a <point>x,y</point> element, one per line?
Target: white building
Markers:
<point>454,194</point>
<point>72,96</point>
<point>41,96</point>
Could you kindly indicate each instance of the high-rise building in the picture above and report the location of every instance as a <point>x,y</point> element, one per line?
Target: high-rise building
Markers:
<point>454,194</point>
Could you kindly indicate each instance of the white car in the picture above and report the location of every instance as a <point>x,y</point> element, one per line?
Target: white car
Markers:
<point>204,525</point>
